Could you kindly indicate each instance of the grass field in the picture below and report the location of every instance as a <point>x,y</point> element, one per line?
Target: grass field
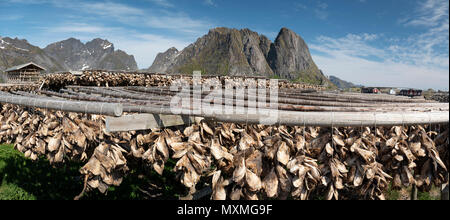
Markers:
<point>23,179</point>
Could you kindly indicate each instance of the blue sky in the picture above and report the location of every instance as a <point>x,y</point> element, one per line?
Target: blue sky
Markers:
<point>402,43</point>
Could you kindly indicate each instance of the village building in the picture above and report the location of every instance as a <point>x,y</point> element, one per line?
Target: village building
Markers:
<point>25,73</point>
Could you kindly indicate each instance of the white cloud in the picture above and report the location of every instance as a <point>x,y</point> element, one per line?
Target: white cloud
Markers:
<point>163,3</point>
<point>429,13</point>
<point>15,17</point>
<point>322,5</point>
<point>108,9</point>
<point>319,8</point>
<point>351,45</point>
<point>321,14</point>
<point>176,21</point>
<point>353,58</point>
<point>142,32</point>
<point>210,3</point>
<point>78,28</point>
<point>300,6</point>
<point>420,60</point>
<point>382,73</point>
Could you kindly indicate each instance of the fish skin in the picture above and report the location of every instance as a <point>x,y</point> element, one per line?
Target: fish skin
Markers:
<point>240,171</point>
<point>283,153</point>
<point>270,184</point>
<point>253,181</point>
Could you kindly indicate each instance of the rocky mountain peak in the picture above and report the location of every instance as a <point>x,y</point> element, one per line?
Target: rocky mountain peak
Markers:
<point>164,60</point>
<point>100,44</point>
<point>95,54</point>
<point>69,54</point>
<point>290,58</point>
<point>239,52</point>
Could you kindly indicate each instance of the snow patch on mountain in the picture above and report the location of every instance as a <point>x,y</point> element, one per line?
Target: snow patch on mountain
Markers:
<point>85,67</point>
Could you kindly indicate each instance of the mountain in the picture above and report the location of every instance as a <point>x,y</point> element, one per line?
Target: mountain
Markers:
<point>342,84</point>
<point>289,57</point>
<point>70,54</point>
<point>163,60</point>
<point>14,52</point>
<point>244,52</point>
<point>222,50</point>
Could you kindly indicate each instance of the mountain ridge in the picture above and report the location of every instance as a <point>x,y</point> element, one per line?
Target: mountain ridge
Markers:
<point>229,51</point>
<point>342,84</point>
<point>65,55</point>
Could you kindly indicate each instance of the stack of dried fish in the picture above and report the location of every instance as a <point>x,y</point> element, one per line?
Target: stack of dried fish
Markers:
<point>19,87</point>
<point>240,161</point>
<point>112,79</point>
<point>106,167</point>
<point>65,136</point>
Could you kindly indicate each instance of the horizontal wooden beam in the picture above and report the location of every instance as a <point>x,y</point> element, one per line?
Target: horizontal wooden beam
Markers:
<point>138,122</point>
<point>98,108</point>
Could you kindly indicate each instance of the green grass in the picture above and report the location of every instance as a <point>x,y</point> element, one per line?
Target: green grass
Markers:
<point>405,194</point>
<point>23,179</point>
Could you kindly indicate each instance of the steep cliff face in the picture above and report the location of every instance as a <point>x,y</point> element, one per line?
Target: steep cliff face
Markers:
<point>227,51</point>
<point>255,54</point>
<point>15,51</point>
<point>290,55</point>
<point>164,60</point>
<point>72,54</point>
<point>221,51</point>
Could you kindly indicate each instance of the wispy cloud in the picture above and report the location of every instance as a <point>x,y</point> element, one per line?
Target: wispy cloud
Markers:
<point>420,60</point>
<point>357,58</point>
<point>177,21</point>
<point>429,13</point>
<point>210,3</point>
<point>141,31</point>
<point>351,45</point>
<point>73,27</point>
<point>164,3</point>
<point>10,17</point>
<point>319,8</point>
<point>299,6</point>
<point>382,73</point>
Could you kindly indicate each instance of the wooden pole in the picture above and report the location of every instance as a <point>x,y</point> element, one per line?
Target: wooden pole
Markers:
<point>98,108</point>
<point>158,99</point>
<point>444,191</point>
<point>312,102</point>
<point>414,192</point>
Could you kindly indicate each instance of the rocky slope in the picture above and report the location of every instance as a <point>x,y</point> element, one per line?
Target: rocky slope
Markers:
<point>342,84</point>
<point>70,54</point>
<point>244,52</point>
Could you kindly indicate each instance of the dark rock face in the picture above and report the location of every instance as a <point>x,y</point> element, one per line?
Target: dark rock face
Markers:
<point>290,55</point>
<point>244,52</point>
<point>95,54</point>
<point>14,52</point>
<point>221,51</point>
<point>164,60</point>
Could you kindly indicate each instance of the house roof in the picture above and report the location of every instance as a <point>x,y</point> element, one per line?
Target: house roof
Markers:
<point>23,66</point>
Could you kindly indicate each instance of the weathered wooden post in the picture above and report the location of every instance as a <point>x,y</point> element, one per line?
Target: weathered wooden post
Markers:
<point>444,191</point>
<point>414,192</point>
